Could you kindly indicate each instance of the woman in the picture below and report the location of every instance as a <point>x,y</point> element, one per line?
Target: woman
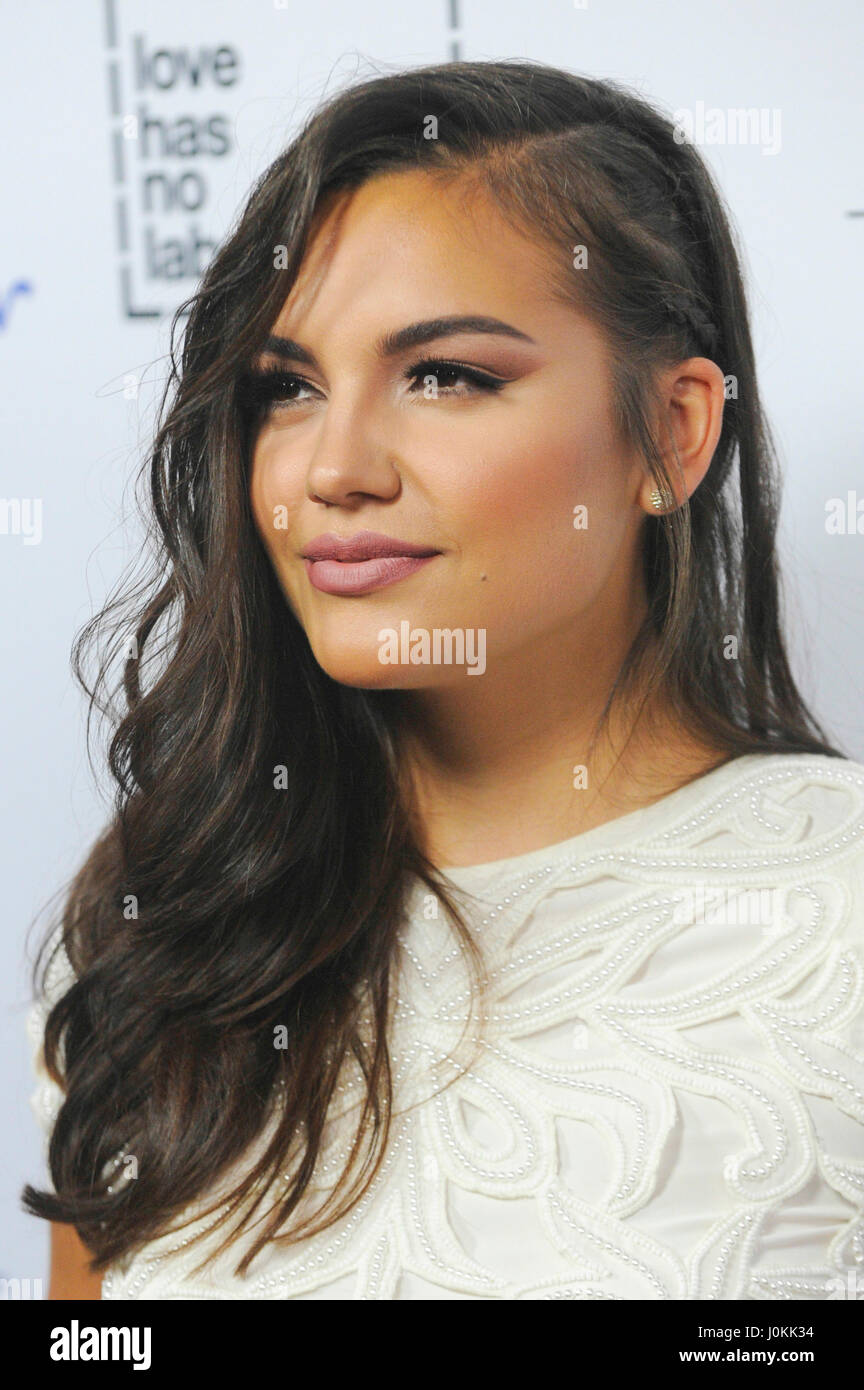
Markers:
<point>482,915</point>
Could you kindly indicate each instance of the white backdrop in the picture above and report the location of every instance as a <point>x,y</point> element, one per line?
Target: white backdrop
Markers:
<point>132,130</point>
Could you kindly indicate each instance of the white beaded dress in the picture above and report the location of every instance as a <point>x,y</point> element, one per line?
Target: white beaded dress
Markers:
<point>668,1097</point>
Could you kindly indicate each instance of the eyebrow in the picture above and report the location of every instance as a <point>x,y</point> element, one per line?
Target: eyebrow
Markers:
<point>412,336</point>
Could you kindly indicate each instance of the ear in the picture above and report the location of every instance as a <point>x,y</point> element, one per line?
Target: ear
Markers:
<point>691,400</point>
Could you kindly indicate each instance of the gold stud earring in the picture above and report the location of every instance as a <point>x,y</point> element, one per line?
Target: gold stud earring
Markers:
<point>657,500</point>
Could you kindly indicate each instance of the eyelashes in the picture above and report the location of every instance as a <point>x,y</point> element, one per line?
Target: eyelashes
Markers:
<point>257,390</point>
<point>263,391</point>
<point>437,367</point>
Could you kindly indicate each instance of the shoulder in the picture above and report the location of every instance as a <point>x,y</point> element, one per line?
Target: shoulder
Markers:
<point>57,973</point>
<point>57,978</point>
<point>794,820</point>
<point>788,769</point>
<point>812,797</point>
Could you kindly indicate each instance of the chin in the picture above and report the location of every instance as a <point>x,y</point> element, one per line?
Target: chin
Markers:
<point>356,652</point>
<point>370,675</point>
<point>355,667</point>
<point>352,663</point>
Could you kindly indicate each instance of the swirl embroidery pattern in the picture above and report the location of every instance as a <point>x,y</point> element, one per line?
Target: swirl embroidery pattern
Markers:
<point>666,1099</point>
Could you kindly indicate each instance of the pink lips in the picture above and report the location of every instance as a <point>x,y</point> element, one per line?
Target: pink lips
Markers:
<point>361,563</point>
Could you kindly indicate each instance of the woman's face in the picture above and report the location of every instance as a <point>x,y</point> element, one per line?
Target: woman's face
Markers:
<point>399,440</point>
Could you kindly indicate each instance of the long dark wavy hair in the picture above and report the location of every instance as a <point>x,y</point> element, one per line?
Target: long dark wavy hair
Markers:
<point>260,908</point>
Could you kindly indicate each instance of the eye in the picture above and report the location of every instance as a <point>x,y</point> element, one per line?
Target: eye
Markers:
<point>437,377</point>
<point>261,391</point>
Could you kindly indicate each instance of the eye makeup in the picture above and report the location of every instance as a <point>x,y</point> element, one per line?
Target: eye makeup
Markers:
<point>262,390</point>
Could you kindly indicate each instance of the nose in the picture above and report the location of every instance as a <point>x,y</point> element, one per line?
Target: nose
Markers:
<point>353,457</point>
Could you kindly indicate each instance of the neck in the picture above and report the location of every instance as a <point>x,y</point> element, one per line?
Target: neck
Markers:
<point>510,762</point>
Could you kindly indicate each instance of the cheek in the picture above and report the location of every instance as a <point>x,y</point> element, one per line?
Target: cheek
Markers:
<point>259,492</point>
<point>271,495</point>
<point>522,498</point>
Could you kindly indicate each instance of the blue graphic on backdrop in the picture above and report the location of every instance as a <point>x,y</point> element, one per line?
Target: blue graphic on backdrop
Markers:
<point>15,290</point>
